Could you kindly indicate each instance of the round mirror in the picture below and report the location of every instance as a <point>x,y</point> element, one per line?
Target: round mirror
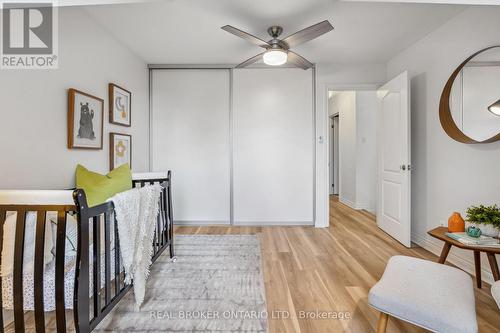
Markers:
<point>470,103</point>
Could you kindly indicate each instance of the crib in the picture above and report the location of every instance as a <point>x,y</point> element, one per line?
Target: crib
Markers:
<point>98,278</point>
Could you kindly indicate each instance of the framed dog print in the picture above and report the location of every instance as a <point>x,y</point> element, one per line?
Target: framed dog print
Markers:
<point>120,102</point>
<point>120,150</point>
<point>85,120</point>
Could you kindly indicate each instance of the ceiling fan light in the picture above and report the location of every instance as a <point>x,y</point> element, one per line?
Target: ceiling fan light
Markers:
<point>275,57</point>
<point>495,108</point>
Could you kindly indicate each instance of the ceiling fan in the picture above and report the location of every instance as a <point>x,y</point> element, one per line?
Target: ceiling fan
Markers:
<point>278,50</point>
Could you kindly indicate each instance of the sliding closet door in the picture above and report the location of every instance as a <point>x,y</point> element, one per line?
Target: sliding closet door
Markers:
<point>273,146</point>
<point>190,136</point>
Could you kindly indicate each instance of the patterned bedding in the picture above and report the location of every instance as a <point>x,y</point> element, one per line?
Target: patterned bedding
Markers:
<point>49,283</point>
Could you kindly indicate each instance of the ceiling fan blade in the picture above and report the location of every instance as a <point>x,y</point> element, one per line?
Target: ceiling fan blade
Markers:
<point>308,34</point>
<point>298,61</point>
<point>242,34</point>
<point>250,61</point>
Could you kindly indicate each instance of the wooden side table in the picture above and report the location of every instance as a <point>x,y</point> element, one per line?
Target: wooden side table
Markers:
<point>440,233</point>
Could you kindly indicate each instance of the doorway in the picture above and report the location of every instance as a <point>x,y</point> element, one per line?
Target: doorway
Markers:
<point>374,159</point>
<point>334,155</point>
<point>353,147</point>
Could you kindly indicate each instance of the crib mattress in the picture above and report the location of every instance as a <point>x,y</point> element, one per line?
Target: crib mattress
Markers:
<point>49,284</point>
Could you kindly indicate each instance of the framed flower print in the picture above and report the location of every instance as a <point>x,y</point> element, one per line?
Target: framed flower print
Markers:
<point>120,150</point>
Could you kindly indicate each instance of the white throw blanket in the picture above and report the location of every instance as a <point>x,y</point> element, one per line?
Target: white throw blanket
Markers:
<point>136,214</point>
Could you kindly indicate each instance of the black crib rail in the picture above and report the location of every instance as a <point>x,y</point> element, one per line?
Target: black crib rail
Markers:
<point>99,223</point>
<point>18,296</point>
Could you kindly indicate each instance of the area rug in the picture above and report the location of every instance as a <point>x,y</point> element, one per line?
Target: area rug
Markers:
<point>216,285</point>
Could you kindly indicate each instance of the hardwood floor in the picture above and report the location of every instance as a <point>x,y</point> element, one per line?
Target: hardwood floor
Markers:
<point>311,272</point>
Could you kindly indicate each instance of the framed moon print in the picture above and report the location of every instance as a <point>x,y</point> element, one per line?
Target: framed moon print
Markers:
<point>120,102</point>
<point>85,120</point>
<point>120,150</point>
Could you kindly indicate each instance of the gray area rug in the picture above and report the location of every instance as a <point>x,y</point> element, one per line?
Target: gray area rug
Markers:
<point>216,285</point>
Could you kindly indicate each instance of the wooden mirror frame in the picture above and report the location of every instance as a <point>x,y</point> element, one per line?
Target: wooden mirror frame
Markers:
<point>447,122</point>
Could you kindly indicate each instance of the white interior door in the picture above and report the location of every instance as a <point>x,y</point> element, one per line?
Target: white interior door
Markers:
<point>190,136</point>
<point>394,202</point>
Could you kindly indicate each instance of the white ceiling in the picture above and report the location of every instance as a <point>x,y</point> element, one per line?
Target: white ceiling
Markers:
<point>63,3</point>
<point>188,31</point>
<point>460,2</point>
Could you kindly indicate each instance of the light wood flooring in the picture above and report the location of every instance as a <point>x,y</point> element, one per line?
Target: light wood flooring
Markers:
<point>331,270</point>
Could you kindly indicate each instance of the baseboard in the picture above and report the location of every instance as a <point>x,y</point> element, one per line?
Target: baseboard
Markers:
<point>356,205</point>
<point>243,223</point>
<point>348,202</point>
<point>272,223</point>
<point>200,223</point>
<point>364,206</point>
<point>435,246</point>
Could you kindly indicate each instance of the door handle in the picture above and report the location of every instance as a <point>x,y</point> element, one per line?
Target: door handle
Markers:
<point>404,167</point>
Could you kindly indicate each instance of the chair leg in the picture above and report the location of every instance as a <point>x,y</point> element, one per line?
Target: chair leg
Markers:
<point>382,322</point>
<point>477,263</point>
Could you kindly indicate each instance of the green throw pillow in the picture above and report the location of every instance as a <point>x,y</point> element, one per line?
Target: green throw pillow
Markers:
<point>99,188</point>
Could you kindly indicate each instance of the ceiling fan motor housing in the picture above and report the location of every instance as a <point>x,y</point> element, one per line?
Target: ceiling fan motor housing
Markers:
<point>275,31</point>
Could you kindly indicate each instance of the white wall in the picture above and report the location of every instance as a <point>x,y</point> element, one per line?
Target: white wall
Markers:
<point>448,176</point>
<point>366,171</point>
<point>338,76</point>
<point>33,107</point>
<point>350,74</point>
<point>357,147</point>
<point>345,104</point>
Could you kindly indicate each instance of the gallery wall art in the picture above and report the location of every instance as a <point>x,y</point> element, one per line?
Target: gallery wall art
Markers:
<point>120,150</point>
<point>85,120</point>
<point>120,102</point>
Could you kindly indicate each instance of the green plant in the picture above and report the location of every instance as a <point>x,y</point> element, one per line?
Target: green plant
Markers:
<point>484,215</point>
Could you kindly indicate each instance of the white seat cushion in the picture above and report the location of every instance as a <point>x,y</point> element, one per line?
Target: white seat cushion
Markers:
<point>495,291</point>
<point>430,295</point>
